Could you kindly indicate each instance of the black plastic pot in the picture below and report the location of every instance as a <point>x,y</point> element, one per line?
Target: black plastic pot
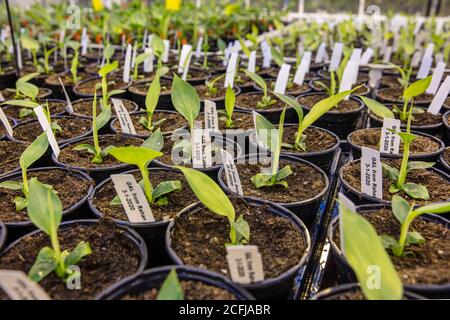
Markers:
<point>345,272</point>
<point>153,278</point>
<point>220,102</point>
<point>75,114</point>
<point>444,164</point>
<point>8,78</point>
<point>446,128</point>
<point>91,95</point>
<point>321,158</point>
<point>341,123</point>
<point>18,120</point>
<point>164,100</point>
<point>306,210</point>
<point>360,198</point>
<point>316,88</point>
<point>18,229</point>
<point>356,150</point>
<point>275,288</point>
<point>191,81</point>
<point>5,135</point>
<point>333,293</point>
<point>398,102</point>
<point>3,234</point>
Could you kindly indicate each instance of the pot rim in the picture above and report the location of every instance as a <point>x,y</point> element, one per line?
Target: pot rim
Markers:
<point>113,116</point>
<point>352,97</point>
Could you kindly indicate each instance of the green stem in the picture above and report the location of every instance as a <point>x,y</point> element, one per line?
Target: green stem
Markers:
<point>148,189</point>
<point>404,229</point>
<point>404,165</point>
<point>54,237</point>
<point>25,188</point>
<point>97,157</point>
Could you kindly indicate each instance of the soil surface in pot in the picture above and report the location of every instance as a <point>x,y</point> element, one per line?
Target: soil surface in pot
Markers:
<point>84,107</point>
<point>70,189</point>
<point>371,138</point>
<point>83,159</point>
<point>428,263</point>
<point>241,80</point>
<point>446,155</point>
<point>113,258</point>
<point>194,74</point>
<point>418,119</point>
<point>241,120</point>
<point>362,91</point>
<point>141,88</point>
<point>316,140</point>
<point>10,152</point>
<point>204,94</point>
<point>192,290</point>
<point>390,81</point>
<point>249,101</point>
<point>199,239</point>
<point>10,93</point>
<point>304,183</point>
<point>344,106</point>
<point>438,188</point>
<point>177,200</point>
<point>173,121</point>
<point>66,78</point>
<point>394,94</point>
<point>293,89</point>
<point>55,107</point>
<point>71,128</point>
<point>115,82</point>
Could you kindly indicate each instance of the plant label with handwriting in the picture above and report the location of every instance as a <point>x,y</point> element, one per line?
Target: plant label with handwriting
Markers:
<point>18,286</point>
<point>282,79</point>
<point>6,123</point>
<point>127,64</point>
<point>69,103</point>
<point>251,67</point>
<point>47,128</point>
<point>245,264</point>
<point>336,56</point>
<point>132,198</point>
<point>231,173</point>
<point>440,97</point>
<point>231,70</point>
<point>390,141</point>
<point>303,68</point>
<point>126,124</point>
<point>371,173</point>
<point>211,116</point>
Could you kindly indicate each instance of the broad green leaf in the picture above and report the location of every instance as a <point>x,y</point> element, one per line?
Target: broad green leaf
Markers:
<point>44,265</point>
<point>416,191</point>
<point>21,103</point>
<point>283,173</point>
<point>242,230</point>
<point>415,165</point>
<point>25,112</point>
<point>157,45</point>
<point>138,156</point>
<point>209,193</point>
<point>230,100</point>
<point>34,151</point>
<point>244,47</point>
<point>400,208</point>
<point>414,237</point>
<point>378,108</point>
<point>103,118</point>
<point>116,92</point>
<point>435,208</point>
<point>141,58</point>
<point>108,68</point>
<point>166,187</point>
<point>277,56</point>
<point>171,288</point>
<point>417,88</point>
<point>407,138</point>
<point>257,79</point>
<point>29,43</point>
<point>292,103</point>
<point>109,52</point>
<point>221,45</point>
<point>12,185</point>
<point>27,77</point>
<point>27,89</point>
<point>262,180</point>
<point>44,207</point>
<point>81,250</point>
<point>84,146</point>
<point>151,100</point>
<point>390,172</point>
<point>185,100</point>
<point>20,203</point>
<point>155,141</point>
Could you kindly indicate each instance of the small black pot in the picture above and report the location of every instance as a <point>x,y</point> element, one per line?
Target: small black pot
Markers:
<point>316,88</point>
<point>220,102</point>
<point>333,293</point>
<point>8,78</point>
<point>275,288</point>
<point>397,102</point>
<point>18,229</point>
<point>446,128</point>
<point>18,120</point>
<point>164,100</point>
<point>153,278</point>
<point>344,270</point>
<point>91,95</point>
<point>306,210</point>
<point>3,234</point>
<point>193,81</point>
<point>444,164</point>
<point>341,123</point>
<point>321,158</point>
<point>356,150</point>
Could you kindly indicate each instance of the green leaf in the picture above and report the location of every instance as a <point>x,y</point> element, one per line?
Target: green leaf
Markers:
<point>84,146</point>
<point>416,191</point>
<point>185,100</point>
<point>230,100</point>
<point>221,45</point>
<point>266,131</point>
<point>12,185</point>
<point>435,208</point>
<point>27,89</point>
<point>258,80</point>
<point>81,250</point>
<point>44,265</point>
<point>417,88</point>
<point>103,118</point>
<point>29,43</point>
<point>28,77</point>
<point>262,180</point>
<point>171,288</point>
<point>414,237</point>
<point>283,173</point>
<point>292,103</point>
<point>25,112</point>
<point>400,208</point>
<point>166,187</point>
<point>157,45</point>
<point>151,100</point>
<point>415,165</point>
<point>209,193</point>
<point>44,207</point>
<point>109,52</point>
<point>21,103</point>
<point>242,230</point>
<point>20,203</point>
<point>367,257</point>
<point>138,156</point>
<point>390,172</point>
<point>116,92</point>
<point>34,151</point>
<point>141,58</point>
<point>407,138</point>
<point>377,108</point>
<point>155,141</point>
<point>108,68</point>
<point>277,56</point>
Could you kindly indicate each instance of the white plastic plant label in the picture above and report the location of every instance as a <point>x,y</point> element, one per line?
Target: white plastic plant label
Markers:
<point>84,41</point>
<point>185,60</point>
<point>366,56</point>
<point>267,54</point>
<point>251,67</point>
<point>47,128</point>
<point>134,55</point>
<point>436,78</point>
<point>148,63</point>
<point>211,117</point>
<point>245,264</point>
<point>320,53</point>
<point>371,173</point>
<point>416,58</point>
<point>347,78</point>
<point>390,140</point>
<point>231,70</point>
<point>387,55</point>
<point>356,55</point>
<point>132,198</point>
<point>197,145</point>
<point>303,68</point>
<point>439,98</point>
<point>165,54</point>
<point>429,51</point>
<point>18,286</point>
<point>231,173</point>
<point>127,64</point>
<point>344,202</point>
<point>123,116</point>
<point>198,50</point>
<point>424,68</point>
<point>282,79</point>
<point>6,123</point>
<point>336,56</point>
<point>19,55</point>
<point>69,103</point>
<point>1,97</point>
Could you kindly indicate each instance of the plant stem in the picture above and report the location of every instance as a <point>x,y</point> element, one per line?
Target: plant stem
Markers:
<point>404,229</point>
<point>25,188</point>
<point>54,237</point>
<point>148,189</point>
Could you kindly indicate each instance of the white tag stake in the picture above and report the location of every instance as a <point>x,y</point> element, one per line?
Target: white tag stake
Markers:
<point>6,123</point>
<point>18,286</point>
<point>126,124</point>
<point>127,64</point>
<point>69,103</point>
<point>197,145</point>
<point>211,117</point>
<point>282,79</point>
<point>231,70</point>
<point>348,76</point>
<point>148,63</point>
<point>440,97</point>
<point>303,68</point>
<point>390,140</point>
<point>344,202</point>
<point>267,54</point>
<point>252,62</point>
<point>387,55</point>
<point>436,78</point>
<point>367,55</point>
<point>336,56</point>
<point>424,68</point>
<point>185,52</point>
<point>46,127</point>
<point>320,53</point>
<point>165,54</point>
<point>245,264</point>
<point>371,173</point>
<point>84,42</point>
<point>231,173</point>
<point>132,198</point>
<point>198,50</point>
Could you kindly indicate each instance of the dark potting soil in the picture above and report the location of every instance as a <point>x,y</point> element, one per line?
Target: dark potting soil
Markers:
<point>204,93</point>
<point>173,121</point>
<point>11,93</point>
<point>316,140</point>
<point>250,101</point>
<point>141,88</point>
<point>192,290</point>
<point>10,152</point>
<point>66,78</point>
<point>115,82</point>
<point>70,189</point>
<point>344,106</point>
<point>371,138</point>
<point>178,200</point>
<point>71,128</point>
<point>390,81</point>
<point>447,155</point>
<point>83,159</point>
<point>362,77</point>
<point>362,91</point>
<point>304,183</point>
<point>428,263</point>
<point>418,119</point>
<point>193,74</point>
<point>84,107</point>
<point>199,238</point>
<point>438,188</point>
<point>394,94</point>
<point>447,103</point>
<point>293,89</point>
<point>241,120</point>
<point>113,258</point>
<point>241,80</point>
<point>55,107</point>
